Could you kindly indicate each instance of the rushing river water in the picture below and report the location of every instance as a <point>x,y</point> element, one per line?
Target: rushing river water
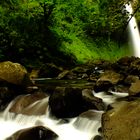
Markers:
<point>72,129</point>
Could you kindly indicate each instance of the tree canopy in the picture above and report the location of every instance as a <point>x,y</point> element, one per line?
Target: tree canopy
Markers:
<point>31,28</point>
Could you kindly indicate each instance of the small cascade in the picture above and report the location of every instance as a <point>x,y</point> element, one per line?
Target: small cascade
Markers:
<point>11,123</point>
<point>83,127</point>
<point>133,30</point>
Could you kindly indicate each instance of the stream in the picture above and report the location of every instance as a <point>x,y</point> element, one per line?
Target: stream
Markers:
<point>67,129</point>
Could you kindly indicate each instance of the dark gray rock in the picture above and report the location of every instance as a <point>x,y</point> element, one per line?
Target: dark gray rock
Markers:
<point>91,101</point>
<point>49,70</point>
<point>97,137</point>
<point>34,133</point>
<point>70,102</point>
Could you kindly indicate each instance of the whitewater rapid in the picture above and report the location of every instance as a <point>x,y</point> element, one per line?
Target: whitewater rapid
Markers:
<point>72,129</point>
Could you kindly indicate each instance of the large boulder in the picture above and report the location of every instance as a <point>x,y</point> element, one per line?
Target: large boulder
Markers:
<point>134,68</point>
<point>66,102</point>
<point>107,80</point>
<point>34,133</point>
<point>135,88</point>
<point>127,65</point>
<point>12,73</point>
<point>31,104</point>
<point>13,81</point>
<point>70,102</point>
<point>91,101</point>
<point>131,79</point>
<point>122,121</point>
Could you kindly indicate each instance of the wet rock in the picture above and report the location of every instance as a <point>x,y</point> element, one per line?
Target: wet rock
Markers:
<point>49,70</point>
<point>25,104</point>
<point>70,102</point>
<point>93,78</point>
<point>34,74</point>
<point>102,86</point>
<point>6,95</point>
<point>34,133</point>
<point>100,130</point>
<point>8,92</point>
<point>80,69</point>
<point>87,71</point>
<point>107,80</point>
<point>134,68</point>
<point>120,88</point>
<point>135,88</point>
<point>66,102</point>
<point>91,114</point>
<point>91,100</point>
<point>97,65</point>
<point>122,122</point>
<point>67,74</point>
<point>13,73</point>
<point>88,121</point>
<point>63,74</point>
<point>127,66</point>
<point>97,137</point>
<point>84,76</point>
<point>126,61</point>
<point>131,79</point>
<point>111,77</point>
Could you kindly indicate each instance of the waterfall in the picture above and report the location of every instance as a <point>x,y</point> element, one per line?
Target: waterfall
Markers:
<point>134,36</point>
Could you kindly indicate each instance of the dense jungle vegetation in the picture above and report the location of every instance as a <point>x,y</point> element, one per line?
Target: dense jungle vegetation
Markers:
<point>33,32</point>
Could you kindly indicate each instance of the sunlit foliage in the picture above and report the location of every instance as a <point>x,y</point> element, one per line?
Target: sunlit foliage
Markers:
<point>36,31</point>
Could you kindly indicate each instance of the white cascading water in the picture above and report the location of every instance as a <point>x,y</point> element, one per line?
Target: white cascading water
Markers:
<point>134,36</point>
<point>76,129</point>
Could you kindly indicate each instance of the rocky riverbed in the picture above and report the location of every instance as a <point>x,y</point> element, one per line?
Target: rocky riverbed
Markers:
<point>72,92</point>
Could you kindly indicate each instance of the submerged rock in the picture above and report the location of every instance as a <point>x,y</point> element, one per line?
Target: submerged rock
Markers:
<point>34,133</point>
<point>122,122</point>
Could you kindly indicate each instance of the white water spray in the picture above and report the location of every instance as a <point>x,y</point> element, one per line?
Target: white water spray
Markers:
<point>77,129</point>
<point>133,30</point>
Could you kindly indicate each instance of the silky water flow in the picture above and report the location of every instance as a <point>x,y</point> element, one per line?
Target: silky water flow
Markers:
<point>134,36</point>
<point>75,129</point>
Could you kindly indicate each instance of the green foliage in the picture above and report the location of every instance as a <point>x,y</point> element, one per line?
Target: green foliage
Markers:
<point>58,30</point>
